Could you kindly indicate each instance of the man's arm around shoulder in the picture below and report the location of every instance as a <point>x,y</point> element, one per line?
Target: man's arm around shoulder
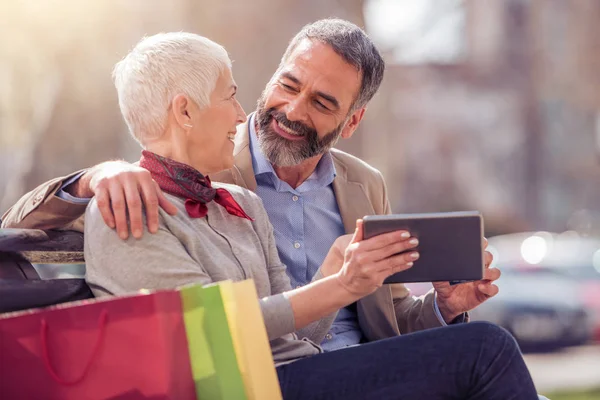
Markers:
<point>41,208</point>
<point>121,189</point>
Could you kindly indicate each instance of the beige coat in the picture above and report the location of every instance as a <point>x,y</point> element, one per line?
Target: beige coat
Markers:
<point>359,188</point>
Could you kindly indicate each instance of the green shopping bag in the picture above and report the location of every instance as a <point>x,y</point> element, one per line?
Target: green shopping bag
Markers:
<point>215,367</point>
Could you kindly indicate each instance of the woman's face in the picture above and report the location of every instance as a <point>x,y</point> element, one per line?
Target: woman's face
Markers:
<point>210,139</point>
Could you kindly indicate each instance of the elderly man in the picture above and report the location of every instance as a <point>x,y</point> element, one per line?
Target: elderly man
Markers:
<point>312,192</point>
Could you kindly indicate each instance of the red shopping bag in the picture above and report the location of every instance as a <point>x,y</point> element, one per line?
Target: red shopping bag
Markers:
<point>131,347</point>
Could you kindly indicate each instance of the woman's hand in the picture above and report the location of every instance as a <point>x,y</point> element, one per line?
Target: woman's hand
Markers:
<point>362,265</point>
<point>335,257</point>
<point>353,268</point>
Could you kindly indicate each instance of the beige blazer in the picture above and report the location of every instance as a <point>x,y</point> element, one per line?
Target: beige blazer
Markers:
<point>359,188</point>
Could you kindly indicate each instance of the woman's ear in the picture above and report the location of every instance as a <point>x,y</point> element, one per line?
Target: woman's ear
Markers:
<point>180,106</point>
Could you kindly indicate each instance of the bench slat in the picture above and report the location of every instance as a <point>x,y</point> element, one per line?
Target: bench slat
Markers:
<point>36,240</point>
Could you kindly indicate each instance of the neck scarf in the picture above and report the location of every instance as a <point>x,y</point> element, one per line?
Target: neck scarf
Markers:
<point>183,181</point>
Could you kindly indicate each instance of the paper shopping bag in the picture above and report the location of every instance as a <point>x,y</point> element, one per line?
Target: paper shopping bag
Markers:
<point>130,347</point>
<point>215,367</point>
<point>251,340</point>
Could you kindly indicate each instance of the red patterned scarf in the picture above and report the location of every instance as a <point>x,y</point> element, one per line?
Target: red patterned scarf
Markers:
<point>184,181</point>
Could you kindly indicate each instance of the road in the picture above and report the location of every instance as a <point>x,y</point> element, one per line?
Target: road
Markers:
<point>574,368</point>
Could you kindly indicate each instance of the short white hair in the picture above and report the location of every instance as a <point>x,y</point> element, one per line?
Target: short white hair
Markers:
<point>159,68</point>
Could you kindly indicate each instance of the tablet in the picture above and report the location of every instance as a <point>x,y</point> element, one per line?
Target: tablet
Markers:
<point>450,245</point>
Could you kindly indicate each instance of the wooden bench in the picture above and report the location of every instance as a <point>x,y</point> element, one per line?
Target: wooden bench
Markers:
<point>21,286</point>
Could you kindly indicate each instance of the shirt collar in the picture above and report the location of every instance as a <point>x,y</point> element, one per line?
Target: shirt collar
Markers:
<point>322,176</point>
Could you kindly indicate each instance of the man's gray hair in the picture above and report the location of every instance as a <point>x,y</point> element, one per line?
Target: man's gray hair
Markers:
<point>159,68</point>
<point>353,45</point>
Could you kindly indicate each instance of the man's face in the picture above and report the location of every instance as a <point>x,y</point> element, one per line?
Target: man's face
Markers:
<point>305,107</point>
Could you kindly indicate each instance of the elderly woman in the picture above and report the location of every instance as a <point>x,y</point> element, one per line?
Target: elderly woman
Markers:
<point>177,95</point>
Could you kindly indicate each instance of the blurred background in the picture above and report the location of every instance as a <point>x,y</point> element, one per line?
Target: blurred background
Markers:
<point>489,105</point>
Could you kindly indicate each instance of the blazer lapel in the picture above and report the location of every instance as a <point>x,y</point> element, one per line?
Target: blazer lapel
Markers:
<point>351,197</point>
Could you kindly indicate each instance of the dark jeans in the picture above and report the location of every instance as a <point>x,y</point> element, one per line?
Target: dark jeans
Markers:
<point>476,360</point>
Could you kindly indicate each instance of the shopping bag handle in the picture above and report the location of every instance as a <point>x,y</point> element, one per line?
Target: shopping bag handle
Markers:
<point>48,364</point>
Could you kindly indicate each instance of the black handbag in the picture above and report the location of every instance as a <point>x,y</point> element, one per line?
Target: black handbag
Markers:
<point>21,287</point>
<point>21,294</point>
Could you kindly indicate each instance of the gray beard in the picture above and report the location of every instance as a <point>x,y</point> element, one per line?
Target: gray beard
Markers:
<point>288,153</point>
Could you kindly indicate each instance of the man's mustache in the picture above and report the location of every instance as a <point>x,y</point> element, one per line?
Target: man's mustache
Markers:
<point>295,126</point>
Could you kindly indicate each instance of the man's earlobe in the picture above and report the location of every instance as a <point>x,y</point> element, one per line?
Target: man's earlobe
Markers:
<point>353,123</point>
<point>347,132</point>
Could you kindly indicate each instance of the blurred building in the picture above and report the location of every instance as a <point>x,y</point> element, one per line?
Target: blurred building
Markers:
<point>506,123</point>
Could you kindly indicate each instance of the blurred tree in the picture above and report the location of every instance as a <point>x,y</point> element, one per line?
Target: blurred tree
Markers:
<point>512,128</point>
<point>58,108</point>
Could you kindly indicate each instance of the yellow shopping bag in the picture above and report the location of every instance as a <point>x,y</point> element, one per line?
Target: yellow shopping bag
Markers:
<point>250,340</point>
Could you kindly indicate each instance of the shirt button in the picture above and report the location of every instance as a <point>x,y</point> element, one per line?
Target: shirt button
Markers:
<point>329,336</point>
<point>297,245</point>
<point>295,198</point>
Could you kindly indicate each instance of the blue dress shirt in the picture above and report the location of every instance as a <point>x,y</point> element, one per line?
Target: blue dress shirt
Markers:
<point>306,217</point>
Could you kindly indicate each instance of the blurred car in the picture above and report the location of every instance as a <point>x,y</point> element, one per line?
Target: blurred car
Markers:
<point>568,257</point>
<point>542,313</point>
<point>544,308</point>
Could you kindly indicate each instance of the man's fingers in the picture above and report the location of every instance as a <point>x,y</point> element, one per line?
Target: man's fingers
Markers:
<point>484,242</point>
<point>148,191</point>
<point>134,208</point>
<point>103,201</point>
<point>117,203</point>
<point>488,258</point>
<point>491,274</point>
<point>165,203</point>
<point>488,289</point>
